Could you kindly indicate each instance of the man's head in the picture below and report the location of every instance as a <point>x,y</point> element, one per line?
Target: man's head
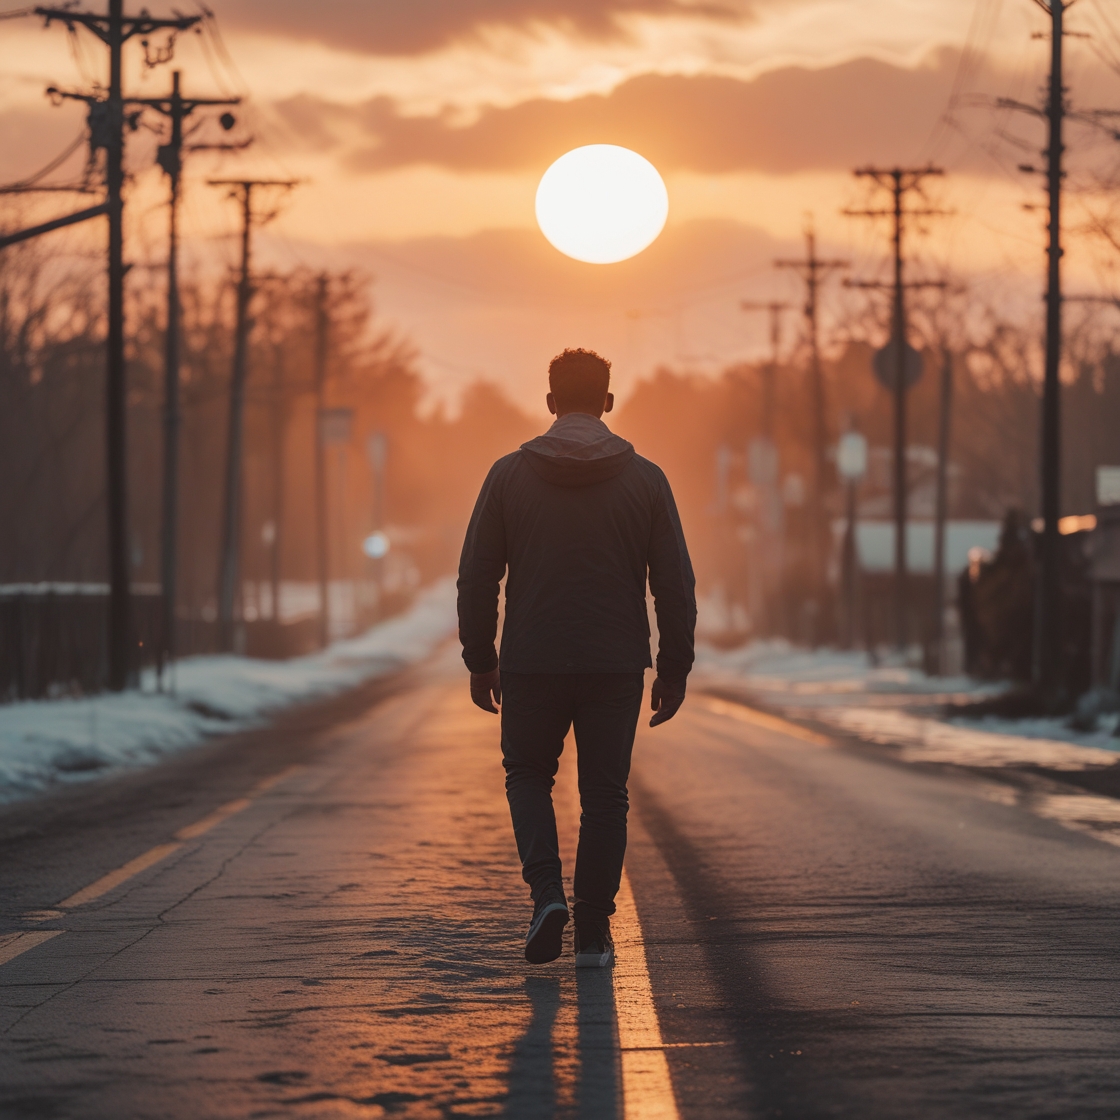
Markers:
<point>580,382</point>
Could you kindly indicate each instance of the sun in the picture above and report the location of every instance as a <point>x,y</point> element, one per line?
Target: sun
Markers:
<point>601,203</point>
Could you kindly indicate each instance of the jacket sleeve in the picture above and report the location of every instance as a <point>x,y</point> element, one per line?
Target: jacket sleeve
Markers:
<point>673,585</point>
<point>481,567</point>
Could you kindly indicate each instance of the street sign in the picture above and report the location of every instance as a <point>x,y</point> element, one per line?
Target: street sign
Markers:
<point>851,456</point>
<point>885,364</point>
<point>335,425</point>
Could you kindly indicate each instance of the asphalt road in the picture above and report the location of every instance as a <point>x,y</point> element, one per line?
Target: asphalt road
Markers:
<point>329,919</point>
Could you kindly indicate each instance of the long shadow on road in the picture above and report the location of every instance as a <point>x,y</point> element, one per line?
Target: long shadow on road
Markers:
<point>563,1069</point>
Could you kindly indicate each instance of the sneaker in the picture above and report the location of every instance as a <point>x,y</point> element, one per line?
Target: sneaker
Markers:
<point>544,941</point>
<point>594,947</point>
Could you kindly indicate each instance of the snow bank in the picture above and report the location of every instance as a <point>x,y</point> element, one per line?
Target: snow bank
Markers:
<point>811,677</point>
<point>48,742</point>
<point>993,744</point>
<point>901,706</point>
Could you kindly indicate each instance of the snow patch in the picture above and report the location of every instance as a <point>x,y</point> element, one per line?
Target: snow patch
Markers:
<point>933,740</point>
<point>901,706</point>
<point>46,743</point>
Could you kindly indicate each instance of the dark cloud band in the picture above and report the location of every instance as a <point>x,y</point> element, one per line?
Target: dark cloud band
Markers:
<point>785,121</point>
<point>396,27</point>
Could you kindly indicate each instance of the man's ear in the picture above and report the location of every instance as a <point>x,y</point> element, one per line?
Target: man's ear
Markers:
<point>550,400</point>
<point>610,403</point>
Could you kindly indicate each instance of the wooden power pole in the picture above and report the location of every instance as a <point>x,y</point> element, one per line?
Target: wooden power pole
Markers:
<point>107,124</point>
<point>170,157</point>
<point>229,568</point>
<point>900,182</point>
<point>813,270</point>
<point>322,553</point>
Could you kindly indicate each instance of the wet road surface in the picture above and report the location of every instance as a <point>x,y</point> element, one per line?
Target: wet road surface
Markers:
<point>324,920</point>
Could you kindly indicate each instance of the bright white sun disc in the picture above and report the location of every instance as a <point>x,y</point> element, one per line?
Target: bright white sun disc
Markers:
<point>601,203</point>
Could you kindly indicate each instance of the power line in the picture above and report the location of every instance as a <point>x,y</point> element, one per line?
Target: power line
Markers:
<point>24,186</point>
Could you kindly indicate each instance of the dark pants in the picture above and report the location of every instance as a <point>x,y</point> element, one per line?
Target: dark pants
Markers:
<point>537,711</point>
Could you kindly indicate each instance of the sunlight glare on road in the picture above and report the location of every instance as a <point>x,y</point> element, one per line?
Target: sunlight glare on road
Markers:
<point>602,203</point>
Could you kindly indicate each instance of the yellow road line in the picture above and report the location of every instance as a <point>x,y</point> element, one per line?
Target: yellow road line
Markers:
<point>114,879</point>
<point>13,944</point>
<point>267,783</point>
<point>647,1088</point>
<point>161,851</point>
<point>745,714</point>
<point>193,831</point>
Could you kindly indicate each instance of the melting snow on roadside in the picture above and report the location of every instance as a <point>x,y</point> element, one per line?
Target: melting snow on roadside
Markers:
<point>900,706</point>
<point>818,677</point>
<point>47,742</point>
<point>974,743</point>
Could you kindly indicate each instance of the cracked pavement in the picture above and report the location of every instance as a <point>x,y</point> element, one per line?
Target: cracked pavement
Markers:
<point>828,932</point>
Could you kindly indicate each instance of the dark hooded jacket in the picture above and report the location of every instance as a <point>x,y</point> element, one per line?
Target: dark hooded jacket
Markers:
<point>579,520</point>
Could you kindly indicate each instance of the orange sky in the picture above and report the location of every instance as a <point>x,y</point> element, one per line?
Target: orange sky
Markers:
<point>421,130</point>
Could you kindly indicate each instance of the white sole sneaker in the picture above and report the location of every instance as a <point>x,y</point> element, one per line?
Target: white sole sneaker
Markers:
<point>600,958</point>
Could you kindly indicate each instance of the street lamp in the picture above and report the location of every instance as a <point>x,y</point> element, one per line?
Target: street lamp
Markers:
<point>376,545</point>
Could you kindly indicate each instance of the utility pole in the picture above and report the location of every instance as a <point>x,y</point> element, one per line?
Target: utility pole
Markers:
<point>280,410</point>
<point>107,122</point>
<point>322,323</point>
<point>775,309</point>
<point>170,157</point>
<point>1047,668</point>
<point>1048,609</point>
<point>1048,586</point>
<point>762,469</point>
<point>813,270</point>
<point>229,572</point>
<point>941,514</point>
<point>899,182</point>
<point>279,430</point>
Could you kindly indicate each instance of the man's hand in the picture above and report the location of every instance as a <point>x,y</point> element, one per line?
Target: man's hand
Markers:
<point>486,690</point>
<point>665,699</point>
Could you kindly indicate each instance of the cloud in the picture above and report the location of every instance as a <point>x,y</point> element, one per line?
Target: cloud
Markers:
<point>393,27</point>
<point>785,121</point>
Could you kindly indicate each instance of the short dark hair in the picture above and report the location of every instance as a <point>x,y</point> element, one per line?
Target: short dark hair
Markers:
<point>579,380</point>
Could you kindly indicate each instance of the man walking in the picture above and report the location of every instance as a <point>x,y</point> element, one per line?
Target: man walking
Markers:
<point>579,520</point>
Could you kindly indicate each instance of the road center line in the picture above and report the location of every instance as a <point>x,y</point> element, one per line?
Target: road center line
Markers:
<point>273,779</point>
<point>193,831</point>
<point>647,1088</point>
<point>114,879</point>
<point>12,944</point>
<point>161,851</point>
<point>746,714</point>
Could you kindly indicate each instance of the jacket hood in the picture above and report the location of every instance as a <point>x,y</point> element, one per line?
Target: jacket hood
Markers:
<point>577,450</point>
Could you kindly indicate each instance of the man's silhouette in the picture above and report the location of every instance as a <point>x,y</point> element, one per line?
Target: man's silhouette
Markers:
<point>578,520</point>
